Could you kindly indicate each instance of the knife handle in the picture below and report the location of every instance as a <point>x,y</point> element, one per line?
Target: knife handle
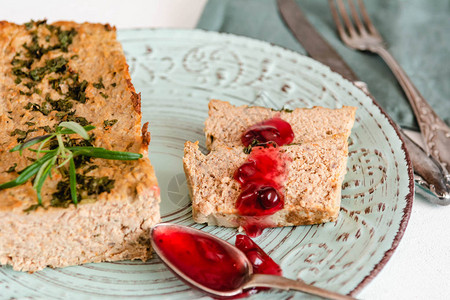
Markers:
<point>434,130</point>
<point>429,176</point>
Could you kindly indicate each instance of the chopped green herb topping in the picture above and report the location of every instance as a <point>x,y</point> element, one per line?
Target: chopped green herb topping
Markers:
<point>46,128</point>
<point>55,65</point>
<point>22,134</point>
<point>32,208</point>
<point>71,117</point>
<point>77,91</point>
<point>109,123</point>
<point>248,149</point>
<point>86,186</point>
<point>256,143</point>
<point>283,109</point>
<point>99,85</point>
<point>90,168</point>
<point>29,77</point>
<point>44,109</point>
<point>18,132</point>
<point>12,168</point>
<point>65,38</point>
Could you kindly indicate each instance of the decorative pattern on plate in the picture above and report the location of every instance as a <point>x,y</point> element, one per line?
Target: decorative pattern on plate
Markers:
<point>178,72</point>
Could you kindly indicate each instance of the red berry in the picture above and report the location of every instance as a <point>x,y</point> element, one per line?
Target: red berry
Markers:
<point>268,197</point>
<point>273,130</point>
<point>245,171</point>
<point>261,133</point>
<point>244,243</point>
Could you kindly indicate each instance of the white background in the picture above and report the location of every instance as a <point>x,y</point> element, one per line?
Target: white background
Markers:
<point>122,14</point>
<point>419,268</point>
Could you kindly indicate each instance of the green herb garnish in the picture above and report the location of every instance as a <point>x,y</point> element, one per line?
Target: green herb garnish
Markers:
<point>248,149</point>
<point>22,135</point>
<point>17,132</point>
<point>12,168</point>
<point>283,109</point>
<point>46,128</point>
<point>256,143</point>
<point>44,109</point>
<point>48,159</point>
<point>109,123</point>
<point>86,185</point>
<point>32,208</point>
<point>55,65</point>
<point>77,90</point>
<point>99,85</point>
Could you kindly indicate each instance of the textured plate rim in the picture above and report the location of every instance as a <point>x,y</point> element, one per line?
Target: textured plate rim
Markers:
<point>408,198</point>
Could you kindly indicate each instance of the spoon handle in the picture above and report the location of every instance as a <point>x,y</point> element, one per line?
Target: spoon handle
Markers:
<point>283,283</point>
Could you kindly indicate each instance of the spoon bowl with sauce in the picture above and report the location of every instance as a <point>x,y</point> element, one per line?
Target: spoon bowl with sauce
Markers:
<point>213,265</point>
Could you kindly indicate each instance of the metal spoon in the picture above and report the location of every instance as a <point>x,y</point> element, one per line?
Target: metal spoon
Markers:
<point>250,280</point>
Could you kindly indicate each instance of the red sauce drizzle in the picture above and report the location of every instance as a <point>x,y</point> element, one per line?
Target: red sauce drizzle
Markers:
<point>261,180</point>
<point>261,262</point>
<point>201,258</point>
<point>262,175</point>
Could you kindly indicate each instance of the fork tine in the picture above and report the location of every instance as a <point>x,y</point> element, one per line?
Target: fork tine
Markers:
<point>366,18</point>
<point>356,18</point>
<point>351,29</point>
<point>337,21</point>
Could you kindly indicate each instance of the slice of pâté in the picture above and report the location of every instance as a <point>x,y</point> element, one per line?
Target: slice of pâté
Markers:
<point>226,123</point>
<point>51,73</point>
<point>312,183</point>
<point>314,166</point>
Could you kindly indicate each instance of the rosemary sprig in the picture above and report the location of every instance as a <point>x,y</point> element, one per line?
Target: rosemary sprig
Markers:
<point>48,159</point>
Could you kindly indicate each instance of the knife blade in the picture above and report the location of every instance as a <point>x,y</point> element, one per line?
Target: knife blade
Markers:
<point>430,178</point>
<point>315,45</point>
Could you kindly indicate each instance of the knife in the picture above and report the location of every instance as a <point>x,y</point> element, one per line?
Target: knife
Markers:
<point>430,178</point>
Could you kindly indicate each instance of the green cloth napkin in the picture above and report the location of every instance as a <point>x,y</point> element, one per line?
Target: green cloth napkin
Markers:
<point>416,31</point>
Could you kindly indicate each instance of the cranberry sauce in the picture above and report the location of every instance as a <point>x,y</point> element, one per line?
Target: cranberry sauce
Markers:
<point>262,175</point>
<point>200,257</point>
<point>273,130</point>
<point>261,180</point>
<point>261,262</point>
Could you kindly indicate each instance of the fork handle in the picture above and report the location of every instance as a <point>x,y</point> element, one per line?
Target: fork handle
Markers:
<point>434,130</point>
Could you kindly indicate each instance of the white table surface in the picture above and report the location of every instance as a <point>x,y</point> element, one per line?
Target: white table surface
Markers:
<point>420,266</point>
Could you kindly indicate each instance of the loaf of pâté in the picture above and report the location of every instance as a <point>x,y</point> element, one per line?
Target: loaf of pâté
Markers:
<point>50,73</point>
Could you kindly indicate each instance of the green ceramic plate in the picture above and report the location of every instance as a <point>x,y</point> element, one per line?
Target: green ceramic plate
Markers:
<point>178,72</point>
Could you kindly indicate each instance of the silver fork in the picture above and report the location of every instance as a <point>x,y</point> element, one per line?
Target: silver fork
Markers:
<point>360,33</point>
